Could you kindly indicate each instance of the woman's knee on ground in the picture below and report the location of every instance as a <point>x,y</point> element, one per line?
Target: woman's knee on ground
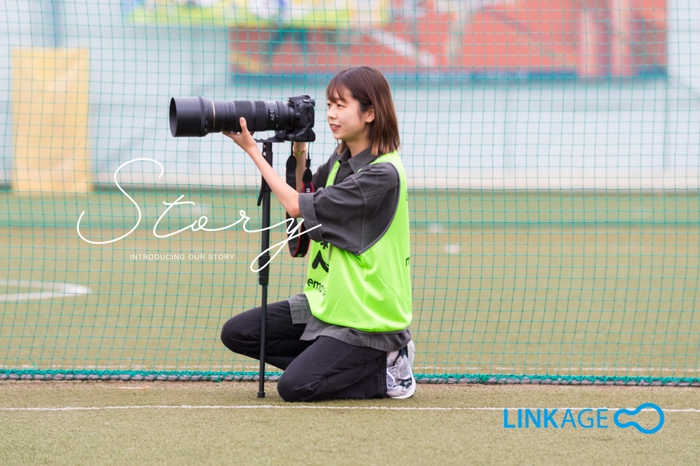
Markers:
<point>293,386</point>
<point>237,332</point>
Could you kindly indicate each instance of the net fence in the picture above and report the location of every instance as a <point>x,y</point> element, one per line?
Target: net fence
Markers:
<point>552,149</point>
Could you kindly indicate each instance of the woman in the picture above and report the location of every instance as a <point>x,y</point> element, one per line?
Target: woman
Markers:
<point>346,335</point>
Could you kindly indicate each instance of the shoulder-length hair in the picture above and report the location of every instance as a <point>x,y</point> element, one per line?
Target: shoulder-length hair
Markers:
<point>369,87</point>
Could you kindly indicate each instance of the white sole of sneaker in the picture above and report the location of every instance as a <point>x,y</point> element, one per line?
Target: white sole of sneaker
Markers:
<point>410,391</point>
<point>411,358</point>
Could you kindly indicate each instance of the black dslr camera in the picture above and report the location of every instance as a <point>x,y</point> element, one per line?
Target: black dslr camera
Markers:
<point>197,116</point>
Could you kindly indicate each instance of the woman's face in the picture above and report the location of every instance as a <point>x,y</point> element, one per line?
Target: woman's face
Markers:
<point>345,119</point>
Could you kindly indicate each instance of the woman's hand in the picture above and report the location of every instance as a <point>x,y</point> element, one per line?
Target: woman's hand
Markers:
<point>244,139</point>
<point>288,196</point>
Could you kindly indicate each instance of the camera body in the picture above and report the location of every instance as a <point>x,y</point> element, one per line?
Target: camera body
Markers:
<point>197,116</point>
<point>304,116</point>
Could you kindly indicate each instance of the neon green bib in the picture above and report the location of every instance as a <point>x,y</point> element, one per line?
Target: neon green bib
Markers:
<point>370,291</point>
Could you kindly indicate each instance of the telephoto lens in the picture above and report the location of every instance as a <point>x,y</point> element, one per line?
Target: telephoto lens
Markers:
<point>198,116</point>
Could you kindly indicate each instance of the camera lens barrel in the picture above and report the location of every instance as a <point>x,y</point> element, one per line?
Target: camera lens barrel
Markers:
<point>198,116</point>
<point>188,116</point>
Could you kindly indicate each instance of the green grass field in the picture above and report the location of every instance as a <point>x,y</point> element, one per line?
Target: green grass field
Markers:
<point>541,284</point>
<point>225,423</point>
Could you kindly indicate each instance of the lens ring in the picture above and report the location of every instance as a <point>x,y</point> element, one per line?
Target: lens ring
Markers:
<point>213,110</point>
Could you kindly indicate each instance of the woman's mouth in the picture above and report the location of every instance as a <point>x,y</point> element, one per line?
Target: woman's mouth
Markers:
<point>334,128</point>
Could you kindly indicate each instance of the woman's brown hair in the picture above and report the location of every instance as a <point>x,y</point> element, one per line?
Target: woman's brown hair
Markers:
<point>369,87</point>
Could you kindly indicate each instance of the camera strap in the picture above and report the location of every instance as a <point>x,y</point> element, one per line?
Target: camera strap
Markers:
<point>299,246</point>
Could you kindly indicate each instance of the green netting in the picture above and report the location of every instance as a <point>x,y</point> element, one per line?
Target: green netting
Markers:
<point>552,149</point>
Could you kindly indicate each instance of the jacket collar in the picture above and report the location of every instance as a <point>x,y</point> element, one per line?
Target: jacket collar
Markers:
<point>361,160</point>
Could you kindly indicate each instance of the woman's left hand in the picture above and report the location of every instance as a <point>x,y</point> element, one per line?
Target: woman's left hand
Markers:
<point>244,139</point>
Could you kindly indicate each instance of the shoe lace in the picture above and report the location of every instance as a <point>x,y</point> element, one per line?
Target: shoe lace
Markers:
<point>391,377</point>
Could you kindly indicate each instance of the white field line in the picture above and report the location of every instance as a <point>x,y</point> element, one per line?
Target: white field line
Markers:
<point>332,408</point>
<point>49,290</point>
<point>567,369</point>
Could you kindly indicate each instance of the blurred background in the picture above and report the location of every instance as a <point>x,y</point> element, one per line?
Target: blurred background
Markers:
<point>552,149</point>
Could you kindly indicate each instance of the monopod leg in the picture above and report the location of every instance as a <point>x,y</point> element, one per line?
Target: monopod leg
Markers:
<point>263,264</point>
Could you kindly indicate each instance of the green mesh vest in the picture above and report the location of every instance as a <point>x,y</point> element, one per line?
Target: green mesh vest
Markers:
<point>371,291</point>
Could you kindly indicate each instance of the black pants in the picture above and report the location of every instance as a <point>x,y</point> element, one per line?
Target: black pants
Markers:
<point>323,369</point>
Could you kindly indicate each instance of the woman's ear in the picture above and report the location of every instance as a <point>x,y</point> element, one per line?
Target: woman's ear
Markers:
<point>369,115</point>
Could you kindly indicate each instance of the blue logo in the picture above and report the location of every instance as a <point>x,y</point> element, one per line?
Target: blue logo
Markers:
<point>624,425</point>
<point>586,418</point>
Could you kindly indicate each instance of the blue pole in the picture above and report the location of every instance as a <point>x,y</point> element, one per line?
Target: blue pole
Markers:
<point>55,11</point>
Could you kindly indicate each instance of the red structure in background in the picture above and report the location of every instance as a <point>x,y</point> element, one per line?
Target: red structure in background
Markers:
<point>586,38</point>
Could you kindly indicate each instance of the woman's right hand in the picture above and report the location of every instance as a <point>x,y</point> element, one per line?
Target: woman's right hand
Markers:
<point>244,139</point>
